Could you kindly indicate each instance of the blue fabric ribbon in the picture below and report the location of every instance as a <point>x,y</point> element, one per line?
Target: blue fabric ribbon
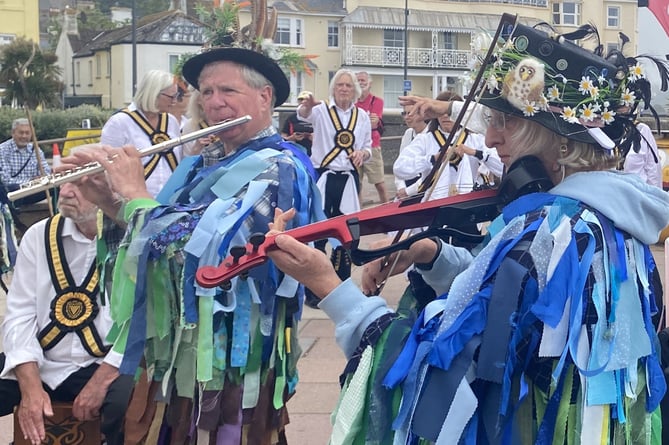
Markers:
<point>241,326</point>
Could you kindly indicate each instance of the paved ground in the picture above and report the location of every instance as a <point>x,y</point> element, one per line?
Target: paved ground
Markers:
<point>321,363</point>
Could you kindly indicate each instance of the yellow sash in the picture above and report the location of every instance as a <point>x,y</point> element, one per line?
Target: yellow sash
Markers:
<point>157,136</point>
<point>344,137</point>
<point>74,308</point>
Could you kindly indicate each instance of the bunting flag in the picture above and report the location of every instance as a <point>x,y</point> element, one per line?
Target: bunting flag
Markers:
<point>660,9</point>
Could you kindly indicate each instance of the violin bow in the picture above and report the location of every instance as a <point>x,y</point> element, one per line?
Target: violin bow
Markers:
<point>441,160</point>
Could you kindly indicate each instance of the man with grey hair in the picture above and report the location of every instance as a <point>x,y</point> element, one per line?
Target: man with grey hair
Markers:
<point>19,162</point>
<point>373,105</point>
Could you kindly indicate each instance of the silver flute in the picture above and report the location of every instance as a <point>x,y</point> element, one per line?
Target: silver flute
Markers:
<point>46,182</point>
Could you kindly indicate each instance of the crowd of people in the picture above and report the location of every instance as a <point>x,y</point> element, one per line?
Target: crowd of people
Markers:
<point>543,333</point>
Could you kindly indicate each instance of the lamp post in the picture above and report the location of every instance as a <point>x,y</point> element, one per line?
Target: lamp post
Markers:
<point>134,47</point>
<point>406,42</point>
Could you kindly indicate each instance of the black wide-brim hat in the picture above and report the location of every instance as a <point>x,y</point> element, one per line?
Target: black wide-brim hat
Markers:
<point>258,62</point>
<point>570,90</point>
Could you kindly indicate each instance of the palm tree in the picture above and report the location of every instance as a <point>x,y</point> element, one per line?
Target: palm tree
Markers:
<point>30,77</point>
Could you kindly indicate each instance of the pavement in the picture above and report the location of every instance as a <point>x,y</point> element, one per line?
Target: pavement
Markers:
<point>322,360</point>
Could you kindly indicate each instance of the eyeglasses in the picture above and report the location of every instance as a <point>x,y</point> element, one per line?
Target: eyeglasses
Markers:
<point>495,120</point>
<point>177,97</point>
<point>405,113</point>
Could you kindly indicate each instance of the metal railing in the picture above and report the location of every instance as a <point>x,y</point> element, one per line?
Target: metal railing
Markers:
<point>416,57</point>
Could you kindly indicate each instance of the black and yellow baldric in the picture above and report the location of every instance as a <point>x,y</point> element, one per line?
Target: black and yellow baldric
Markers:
<point>157,136</point>
<point>74,307</point>
<point>203,124</point>
<point>344,137</point>
<point>441,140</point>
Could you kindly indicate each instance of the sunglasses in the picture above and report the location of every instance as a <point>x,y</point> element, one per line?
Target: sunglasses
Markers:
<point>177,97</point>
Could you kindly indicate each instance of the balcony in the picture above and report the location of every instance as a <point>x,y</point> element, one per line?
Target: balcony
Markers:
<point>388,56</point>
<point>538,3</point>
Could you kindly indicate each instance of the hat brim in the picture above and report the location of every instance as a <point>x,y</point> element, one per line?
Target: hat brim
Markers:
<point>260,63</point>
<point>552,121</point>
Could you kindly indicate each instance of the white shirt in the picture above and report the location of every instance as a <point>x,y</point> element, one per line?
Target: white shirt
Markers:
<point>121,129</point>
<point>408,136</point>
<point>645,163</point>
<point>324,133</point>
<point>416,159</point>
<point>29,305</point>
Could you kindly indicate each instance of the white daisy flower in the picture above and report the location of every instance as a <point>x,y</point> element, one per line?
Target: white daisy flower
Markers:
<point>608,116</point>
<point>584,85</point>
<point>636,72</point>
<point>594,92</point>
<point>492,83</point>
<point>529,109</point>
<point>553,93</point>
<point>587,114</point>
<point>569,114</point>
<point>628,97</point>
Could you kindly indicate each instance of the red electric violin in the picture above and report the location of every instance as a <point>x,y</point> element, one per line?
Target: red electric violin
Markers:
<point>441,217</point>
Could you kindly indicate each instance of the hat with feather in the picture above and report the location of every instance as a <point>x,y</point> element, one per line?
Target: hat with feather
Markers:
<point>251,45</point>
<point>583,95</point>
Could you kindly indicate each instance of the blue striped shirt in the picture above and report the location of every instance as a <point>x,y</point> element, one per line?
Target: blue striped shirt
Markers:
<point>13,158</point>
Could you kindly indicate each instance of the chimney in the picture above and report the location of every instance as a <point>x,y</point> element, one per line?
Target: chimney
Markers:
<point>120,15</point>
<point>70,21</point>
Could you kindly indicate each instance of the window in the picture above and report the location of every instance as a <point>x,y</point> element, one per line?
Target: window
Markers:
<point>98,66</point>
<point>393,38</point>
<point>90,73</point>
<point>289,32</point>
<point>296,85</point>
<point>567,13</point>
<point>448,41</point>
<point>393,87</point>
<point>610,47</point>
<point>172,61</point>
<point>333,34</point>
<point>6,38</point>
<point>613,16</point>
<point>109,64</point>
<point>77,73</point>
<point>393,51</point>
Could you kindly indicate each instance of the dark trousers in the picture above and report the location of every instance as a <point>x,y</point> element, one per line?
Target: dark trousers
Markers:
<point>334,190</point>
<point>113,407</point>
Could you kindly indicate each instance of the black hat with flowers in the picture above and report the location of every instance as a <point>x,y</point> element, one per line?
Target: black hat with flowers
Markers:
<point>545,77</point>
<point>253,59</point>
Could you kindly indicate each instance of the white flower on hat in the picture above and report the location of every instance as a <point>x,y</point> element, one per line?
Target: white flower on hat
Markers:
<point>492,83</point>
<point>594,92</point>
<point>554,93</point>
<point>587,113</point>
<point>529,109</point>
<point>636,72</point>
<point>270,49</point>
<point>585,85</point>
<point>569,114</point>
<point>608,116</point>
<point>628,97</point>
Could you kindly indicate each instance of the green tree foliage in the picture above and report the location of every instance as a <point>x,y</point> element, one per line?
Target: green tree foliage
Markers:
<point>94,20</point>
<point>42,84</point>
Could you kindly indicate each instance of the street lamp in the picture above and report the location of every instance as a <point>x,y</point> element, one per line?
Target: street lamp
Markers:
<point>406,42</point>
<point>134,47</point>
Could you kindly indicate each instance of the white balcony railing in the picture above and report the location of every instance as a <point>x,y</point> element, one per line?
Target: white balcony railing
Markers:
<point>541,3</point>
<point>416,57</point>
